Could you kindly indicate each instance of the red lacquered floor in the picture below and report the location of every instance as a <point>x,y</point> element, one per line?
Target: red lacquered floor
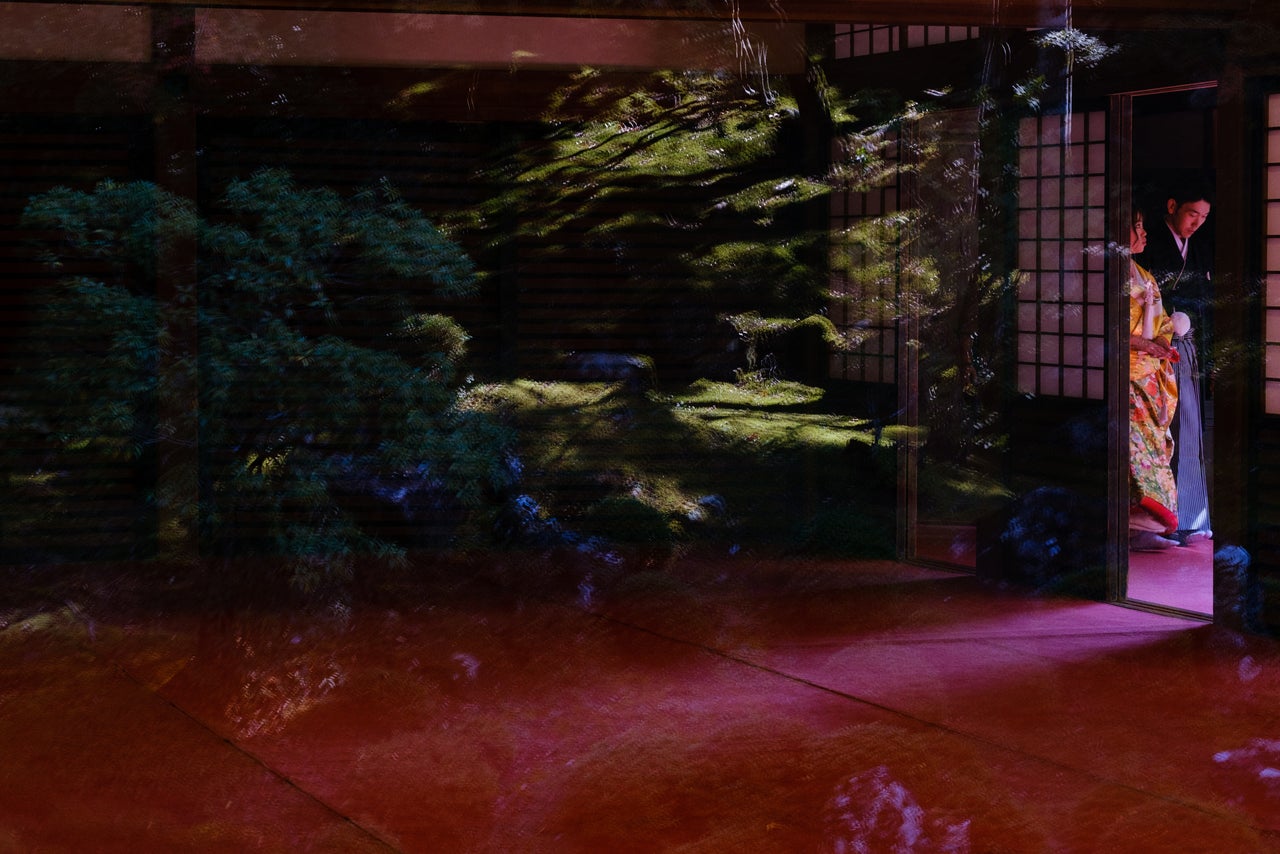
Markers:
<point>1180,577</point>
<point>731,706</point>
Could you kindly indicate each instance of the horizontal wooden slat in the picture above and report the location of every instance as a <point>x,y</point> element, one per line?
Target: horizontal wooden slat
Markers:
<point>1149,13</point>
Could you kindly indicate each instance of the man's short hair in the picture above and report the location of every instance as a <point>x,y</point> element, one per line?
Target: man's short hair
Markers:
<point>1191,191</point>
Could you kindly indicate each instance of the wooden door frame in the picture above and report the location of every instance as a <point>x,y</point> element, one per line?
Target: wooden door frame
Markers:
<point>1120,197</point>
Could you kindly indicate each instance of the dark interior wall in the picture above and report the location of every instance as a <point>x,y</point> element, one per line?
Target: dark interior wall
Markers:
<point>1173,144</point>
<point>1257,437</point>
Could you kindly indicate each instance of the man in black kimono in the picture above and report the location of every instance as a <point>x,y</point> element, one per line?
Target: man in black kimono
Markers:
<point>1182,265</point>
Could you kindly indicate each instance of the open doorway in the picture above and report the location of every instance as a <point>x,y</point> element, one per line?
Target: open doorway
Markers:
<point>1171,154</point>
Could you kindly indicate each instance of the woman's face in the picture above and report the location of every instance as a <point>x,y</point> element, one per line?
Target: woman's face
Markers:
<point>1137,237</point>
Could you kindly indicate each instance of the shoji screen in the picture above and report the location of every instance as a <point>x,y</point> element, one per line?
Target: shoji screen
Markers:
<point>1062,255</point>
<point>853,40</point>
<point>862,309</point>
<point>1271,328</point>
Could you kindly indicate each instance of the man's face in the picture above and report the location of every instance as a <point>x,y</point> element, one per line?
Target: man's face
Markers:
<point>1187,217</point>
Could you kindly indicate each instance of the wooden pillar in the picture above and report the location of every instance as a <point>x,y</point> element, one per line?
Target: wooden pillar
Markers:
<point>174,118</point>
<point>1235,389</point>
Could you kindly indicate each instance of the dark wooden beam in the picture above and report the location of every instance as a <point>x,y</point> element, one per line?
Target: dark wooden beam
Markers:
<point>1127,14</point>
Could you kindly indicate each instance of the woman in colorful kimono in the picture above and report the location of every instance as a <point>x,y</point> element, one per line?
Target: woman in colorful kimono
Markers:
<point>1153,400</point>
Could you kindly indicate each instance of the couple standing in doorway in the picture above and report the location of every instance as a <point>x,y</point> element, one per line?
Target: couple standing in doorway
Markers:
<point>1180,265</point>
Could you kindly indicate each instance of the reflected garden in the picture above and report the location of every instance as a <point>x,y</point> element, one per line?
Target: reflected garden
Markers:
<point>631,328</point>
<point>308,397</point>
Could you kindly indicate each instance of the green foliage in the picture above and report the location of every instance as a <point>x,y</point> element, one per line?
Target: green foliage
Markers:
<point>115,331</point>
<point>761,333</point>
<point>317,377</point>
<point>755,394</point>
<point>432,341</point>
<point>628,520</point>
<point>846,528</point>
<point>122,224</point>
<point>101,336</point>
<point>720,174</point>
<point>1078,47</point>
<point>716,465</point>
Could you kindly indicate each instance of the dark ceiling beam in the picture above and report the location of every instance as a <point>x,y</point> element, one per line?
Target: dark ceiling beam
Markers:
<point>1109,14</point>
